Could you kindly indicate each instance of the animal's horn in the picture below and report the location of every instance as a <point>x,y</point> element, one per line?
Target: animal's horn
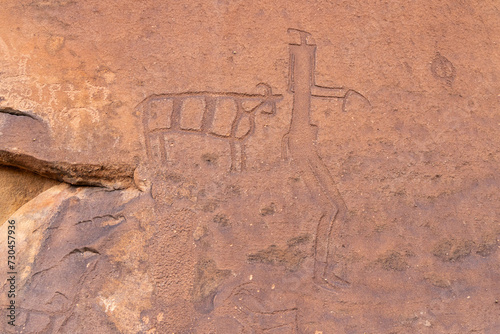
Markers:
<point>267,88</point>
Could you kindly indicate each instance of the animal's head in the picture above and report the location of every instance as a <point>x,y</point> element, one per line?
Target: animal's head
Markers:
<point>268,102</point>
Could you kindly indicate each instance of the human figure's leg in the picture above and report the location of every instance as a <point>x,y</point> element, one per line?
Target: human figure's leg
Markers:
<point>332,218</point>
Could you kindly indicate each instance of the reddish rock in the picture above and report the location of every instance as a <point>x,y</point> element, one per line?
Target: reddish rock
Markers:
<point>251,167</point>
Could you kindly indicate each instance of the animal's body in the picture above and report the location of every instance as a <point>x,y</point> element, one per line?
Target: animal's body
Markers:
<point>163,115</point>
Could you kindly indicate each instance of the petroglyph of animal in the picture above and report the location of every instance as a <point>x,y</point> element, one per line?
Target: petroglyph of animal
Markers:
<point>227,116</point>
<point>256,317</point>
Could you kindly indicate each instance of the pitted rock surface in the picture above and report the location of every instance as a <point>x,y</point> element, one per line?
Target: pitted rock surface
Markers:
<point>251,167</point>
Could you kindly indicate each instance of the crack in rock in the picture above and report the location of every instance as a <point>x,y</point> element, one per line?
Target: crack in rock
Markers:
<point>113,176</point>
<point>15,112</point>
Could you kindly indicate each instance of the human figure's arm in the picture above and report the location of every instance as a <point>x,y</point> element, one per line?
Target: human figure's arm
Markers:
<point>328,92</point>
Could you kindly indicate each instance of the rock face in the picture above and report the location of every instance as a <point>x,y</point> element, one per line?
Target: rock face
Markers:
<point>249,167</point>
<point>18,188</point>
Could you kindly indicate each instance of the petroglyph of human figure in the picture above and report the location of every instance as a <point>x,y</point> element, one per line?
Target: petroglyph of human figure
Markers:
<point>299,143</point>
<point>163,114</point>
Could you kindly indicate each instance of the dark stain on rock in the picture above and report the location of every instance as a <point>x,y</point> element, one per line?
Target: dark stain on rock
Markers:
<point>173,177</point>
<point>268,210</point>
<point>393,261</point>
<point>210,206</point>
<point>232,190</point>
<point>438,280</point>
<point>222,220</point>
<point>487,246</point>
<point>207,280</point>
<point>301,239</point>
<point>451,250</point>
<point>289,257</point>
<point>210,159</point>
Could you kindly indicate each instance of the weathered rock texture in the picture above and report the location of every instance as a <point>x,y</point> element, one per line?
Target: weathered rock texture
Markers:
<point>251,166</point>
<point>18,188</point>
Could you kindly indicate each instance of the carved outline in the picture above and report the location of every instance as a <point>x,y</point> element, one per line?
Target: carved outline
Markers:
<point>300,140</point>
<point>242,289</point>
<point>265,99</point>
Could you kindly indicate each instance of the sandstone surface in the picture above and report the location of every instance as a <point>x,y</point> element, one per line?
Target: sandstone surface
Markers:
<point>266,167</point>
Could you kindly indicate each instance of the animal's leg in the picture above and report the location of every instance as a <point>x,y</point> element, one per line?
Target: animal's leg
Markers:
<point>234,128</point>
<point>147,144</point>
<point>285,147</point>
<point>243,157</point>
<point>233,155</point>
<point>144,110</point>
<point>163,150</point>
